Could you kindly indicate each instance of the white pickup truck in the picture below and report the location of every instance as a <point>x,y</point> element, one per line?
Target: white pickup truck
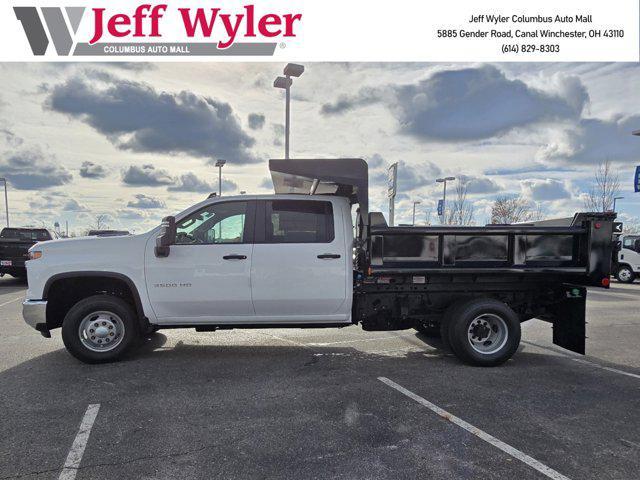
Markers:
<point>291,260</point>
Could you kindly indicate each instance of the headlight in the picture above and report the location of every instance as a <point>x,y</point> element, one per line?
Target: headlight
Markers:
<point>35,254</point>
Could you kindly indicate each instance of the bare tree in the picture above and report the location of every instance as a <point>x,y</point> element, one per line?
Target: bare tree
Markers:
<point>517,209</point>
<point>461,211</point>
<point>631,228</point>
<point>537,213</point>
<point>605,187</point>
<point>101,222</point>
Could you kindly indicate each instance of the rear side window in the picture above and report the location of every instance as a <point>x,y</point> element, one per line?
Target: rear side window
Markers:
<point>294,221</point>
<point>26,235</point>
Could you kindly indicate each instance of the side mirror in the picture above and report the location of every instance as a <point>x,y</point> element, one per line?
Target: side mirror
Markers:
<point>166,238</point>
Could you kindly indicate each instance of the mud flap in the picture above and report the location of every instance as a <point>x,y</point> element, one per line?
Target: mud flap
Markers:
<point>569,322</point>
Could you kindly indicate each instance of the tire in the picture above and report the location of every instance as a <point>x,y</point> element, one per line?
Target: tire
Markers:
<point>428,331</point>
<point>114,323</point>
<point>151,330</point>
<point>624,274</point>
<point>484,332</point>
<point>445,325</point>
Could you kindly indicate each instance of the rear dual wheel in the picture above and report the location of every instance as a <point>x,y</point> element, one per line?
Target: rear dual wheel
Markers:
<point>483,332</point>
<point>428,330</point>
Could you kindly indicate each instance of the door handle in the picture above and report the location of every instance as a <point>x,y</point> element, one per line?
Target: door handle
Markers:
<point>329,255</point>
<point>234,257</point>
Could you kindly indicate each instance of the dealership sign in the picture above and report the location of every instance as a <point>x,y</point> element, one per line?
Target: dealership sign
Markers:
<point>143,30</point>
<point>318,30</point>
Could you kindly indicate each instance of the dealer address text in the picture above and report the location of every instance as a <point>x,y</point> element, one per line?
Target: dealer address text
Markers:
<point>522,34</point>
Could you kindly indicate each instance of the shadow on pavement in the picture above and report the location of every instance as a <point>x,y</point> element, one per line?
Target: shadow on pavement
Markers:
<point>257,401</point>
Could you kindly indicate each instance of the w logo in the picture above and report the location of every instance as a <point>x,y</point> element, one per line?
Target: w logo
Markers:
<point>55,24</point>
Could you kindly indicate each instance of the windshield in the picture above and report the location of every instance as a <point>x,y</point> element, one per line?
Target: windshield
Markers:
<point>24,234</point>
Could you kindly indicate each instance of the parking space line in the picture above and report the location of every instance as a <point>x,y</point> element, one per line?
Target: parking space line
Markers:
<point>584,362</point>
<point>11,301</point>
<point>72,463</point>
<point>499,444</point>
<point>609,369</point>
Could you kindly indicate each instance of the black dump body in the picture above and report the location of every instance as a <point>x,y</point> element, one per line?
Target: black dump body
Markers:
<point>414,274</point>
<point>579,253</point>
<point>14,245</point>
<point>408,276</point>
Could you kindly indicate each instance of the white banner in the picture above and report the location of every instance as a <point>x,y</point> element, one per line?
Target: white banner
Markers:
<point>320,30</point>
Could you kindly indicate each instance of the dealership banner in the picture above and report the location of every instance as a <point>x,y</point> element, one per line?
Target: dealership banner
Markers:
<point>319,30</point>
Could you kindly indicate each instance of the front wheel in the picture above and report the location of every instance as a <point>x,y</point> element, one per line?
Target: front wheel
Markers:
<point>99,329</point>
<point>625,274</point>
<point>484,332</point>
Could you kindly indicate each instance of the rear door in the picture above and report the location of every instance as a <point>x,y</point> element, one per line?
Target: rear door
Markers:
<point>299,270</point>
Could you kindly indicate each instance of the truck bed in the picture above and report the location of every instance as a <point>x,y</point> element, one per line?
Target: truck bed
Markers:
<point>578,253</point>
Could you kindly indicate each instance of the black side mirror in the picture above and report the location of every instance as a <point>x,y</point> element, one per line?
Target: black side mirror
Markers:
<point>166,238</point>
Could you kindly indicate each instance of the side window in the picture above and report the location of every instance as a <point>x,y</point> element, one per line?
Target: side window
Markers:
<point>299,221</point>
<point>214,224</point>
<point>629,242</point>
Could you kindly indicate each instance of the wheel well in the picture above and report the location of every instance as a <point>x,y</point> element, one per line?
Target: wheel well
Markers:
<point>64,293</point>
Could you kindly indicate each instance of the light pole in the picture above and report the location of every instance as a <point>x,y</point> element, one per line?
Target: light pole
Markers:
<point>290,70</point>
<point>614,202</point>
<point>220,163</point>
<point>444,195</point>
<point>417,202</point>
<point>6,199</point>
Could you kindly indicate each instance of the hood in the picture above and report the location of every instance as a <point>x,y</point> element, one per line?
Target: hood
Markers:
<point>84,244</point>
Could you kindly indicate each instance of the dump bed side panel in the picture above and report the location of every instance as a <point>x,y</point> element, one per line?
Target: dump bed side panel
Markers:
<point>580,252</point>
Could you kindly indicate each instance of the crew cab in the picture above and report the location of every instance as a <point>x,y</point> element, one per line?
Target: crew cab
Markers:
<point>14,248</point>
<point>294,259</point>
<point>627,258</point>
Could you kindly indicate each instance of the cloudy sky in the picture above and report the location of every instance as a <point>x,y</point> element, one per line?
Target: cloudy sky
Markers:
<point>137,141</point>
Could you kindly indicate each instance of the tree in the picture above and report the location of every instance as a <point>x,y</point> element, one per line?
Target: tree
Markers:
<point>101,222</point>
<point>605,187</point>
<point>517,209</point>
<point>461,211</point>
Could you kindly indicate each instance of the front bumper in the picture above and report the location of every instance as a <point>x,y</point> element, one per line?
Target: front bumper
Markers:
<point>34,313</point>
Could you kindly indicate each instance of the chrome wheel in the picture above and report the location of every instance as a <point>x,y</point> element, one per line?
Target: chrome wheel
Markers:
<point>624,274</point>
<point>487,333</point>
<point>101,331</point>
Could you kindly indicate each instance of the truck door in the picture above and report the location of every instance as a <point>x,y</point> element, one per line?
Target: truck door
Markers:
<point>299,271</point>
<point>206,276</point>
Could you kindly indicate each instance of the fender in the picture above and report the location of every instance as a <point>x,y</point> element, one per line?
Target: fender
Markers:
<point>88,273</point>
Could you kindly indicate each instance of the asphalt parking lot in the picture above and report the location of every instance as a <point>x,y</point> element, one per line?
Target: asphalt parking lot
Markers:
<point>323,404</point>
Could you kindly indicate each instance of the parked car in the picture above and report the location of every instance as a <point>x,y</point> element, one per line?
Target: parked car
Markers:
<point>291,260</point>
<point>14,247</point>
